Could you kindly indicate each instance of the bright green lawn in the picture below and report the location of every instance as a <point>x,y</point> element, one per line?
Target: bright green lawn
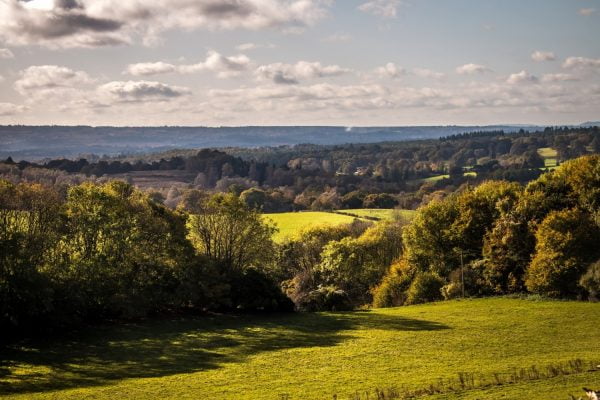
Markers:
<point>313,356</point>
<point>293,222</point>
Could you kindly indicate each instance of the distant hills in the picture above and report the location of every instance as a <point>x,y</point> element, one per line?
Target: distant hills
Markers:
<point>39,142</point>
<point>590,124</point>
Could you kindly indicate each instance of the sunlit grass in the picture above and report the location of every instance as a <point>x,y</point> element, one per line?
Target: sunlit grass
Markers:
<point>550,157</point>
<point>293,222</point>
<point>313,356</point>
<point>381,214</point>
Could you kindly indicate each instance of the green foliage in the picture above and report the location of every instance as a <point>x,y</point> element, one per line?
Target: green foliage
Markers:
<point>324,298</point>
<point>254,198</point>
<point>382,200</point>
<point>108,251</point>
<point>253,290</point>
<point>358,264</point>
<point>228,231</point>
<point>566,244</point>
<point>425,287</point>
<point>353,199</point>
<point>590,281</point>
<point>429,241</point>
<point>29,232</point>
<point>391,292</point>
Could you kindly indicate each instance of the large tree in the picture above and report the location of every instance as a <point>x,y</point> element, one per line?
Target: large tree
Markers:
<point>230,232</point>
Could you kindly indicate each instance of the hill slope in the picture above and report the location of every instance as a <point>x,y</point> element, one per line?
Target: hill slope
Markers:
<point>313,356</point>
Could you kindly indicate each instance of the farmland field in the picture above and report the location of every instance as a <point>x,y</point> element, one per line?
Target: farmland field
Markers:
<point>382,214</point>
<point>549,155</point>
<point>293,222</point>
<point>314,356</point>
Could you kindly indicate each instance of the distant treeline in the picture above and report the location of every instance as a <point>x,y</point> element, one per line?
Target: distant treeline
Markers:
<point>342,176</point>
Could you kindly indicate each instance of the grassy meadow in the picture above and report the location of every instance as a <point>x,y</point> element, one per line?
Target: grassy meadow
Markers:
<point>291,223</point>
<point>381,214</point>
<point>550,157</point>
<point>319,355</point>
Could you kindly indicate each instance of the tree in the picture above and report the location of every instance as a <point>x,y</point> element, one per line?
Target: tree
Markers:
<point>429,241</point>
<point>254,198</point>
<point>358,264</point>
<point>226,230</point>
<point>30,223</point>
<point>566,243</point>
<point>383,200</point>
<point>120,253</point>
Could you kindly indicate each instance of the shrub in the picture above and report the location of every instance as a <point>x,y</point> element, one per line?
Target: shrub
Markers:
<point>426,287</point>
<point>453,290</point>
<point>253,290</point>
<point>325,298</point>
<point>590,281</point>
<point>391,292</point>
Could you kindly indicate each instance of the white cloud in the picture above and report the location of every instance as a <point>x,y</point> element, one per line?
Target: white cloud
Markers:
<point>138,91</point>
<point>586,12</point>
<point>7,109</point>
<point>558,78</point>
<point>427,73</point>
<point>150,68</point>
<point>381,8</point>
<point>92,23</point>
<point>223,66</point>
<point>254,46</point>
<point>292,73</point>
<point>38,78</point>
<point>471,69</point>
<point>540,56</point>
<point>521,77</point>
<point>6,53</point>
<point>390,70</point>
<point>581,62</point>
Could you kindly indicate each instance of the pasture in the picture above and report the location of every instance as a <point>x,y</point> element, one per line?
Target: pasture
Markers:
<point>550,157</point>
<point>292,222</point>
<point>380,214</point>
<point>468,349</point>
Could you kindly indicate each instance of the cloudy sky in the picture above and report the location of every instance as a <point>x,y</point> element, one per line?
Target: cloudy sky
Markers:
<point>299,62</point>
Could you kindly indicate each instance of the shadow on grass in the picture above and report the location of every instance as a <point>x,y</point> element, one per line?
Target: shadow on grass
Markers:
<point>165,347</point>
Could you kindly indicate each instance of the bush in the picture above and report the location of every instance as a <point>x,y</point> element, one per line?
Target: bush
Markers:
<point>253,290</point>
<point>453,290</point>
<point>426,287</point>
<point>325,298</point>
<point>392,291</point>
<point>590,281</point>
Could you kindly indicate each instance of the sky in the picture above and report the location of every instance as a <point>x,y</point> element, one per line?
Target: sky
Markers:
<point>299,62</point>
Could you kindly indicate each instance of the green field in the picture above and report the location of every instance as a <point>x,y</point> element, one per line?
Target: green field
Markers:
<point>314,356</point>
<point>381,214</point>
<point>549,155</point>
<point>292,222</point>
<point>436,178</point>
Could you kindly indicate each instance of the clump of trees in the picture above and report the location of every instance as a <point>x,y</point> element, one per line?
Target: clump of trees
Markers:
<point>109,251</point>
<point>500,238</point>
